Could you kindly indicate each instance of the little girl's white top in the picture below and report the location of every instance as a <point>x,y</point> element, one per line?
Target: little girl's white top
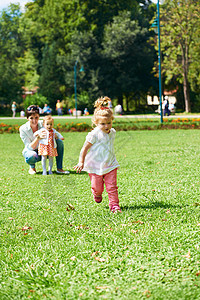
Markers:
<point>45,141</point>
<point>101,157</point>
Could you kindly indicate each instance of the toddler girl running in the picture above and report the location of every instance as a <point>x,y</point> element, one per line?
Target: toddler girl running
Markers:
<point>47,146</point>
<point>100,162</point>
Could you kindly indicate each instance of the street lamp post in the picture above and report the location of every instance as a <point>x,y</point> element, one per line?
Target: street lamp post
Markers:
<point>156,24</point>
<point>159,64</point>
<point>75,89</point>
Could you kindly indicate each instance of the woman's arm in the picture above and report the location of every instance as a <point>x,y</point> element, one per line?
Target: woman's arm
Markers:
<point>40,134</point>
<point>35,142</point>
<point>58,135</point>
<point>84,150</point>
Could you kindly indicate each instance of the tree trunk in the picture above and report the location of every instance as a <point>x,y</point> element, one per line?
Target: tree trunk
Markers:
<point>186,88</point>
<point>186,94</point>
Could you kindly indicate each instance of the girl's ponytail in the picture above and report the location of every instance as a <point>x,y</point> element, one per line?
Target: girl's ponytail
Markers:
<point>102,109</point>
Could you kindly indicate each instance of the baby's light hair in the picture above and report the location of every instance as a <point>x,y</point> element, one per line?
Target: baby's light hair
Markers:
<point>48,118</point>
<point>102,109</point>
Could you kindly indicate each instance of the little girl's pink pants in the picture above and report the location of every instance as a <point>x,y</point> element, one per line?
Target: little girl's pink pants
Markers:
<point>110,180</point>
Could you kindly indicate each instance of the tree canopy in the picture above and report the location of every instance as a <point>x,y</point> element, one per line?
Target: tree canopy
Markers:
<point>180,44</point>
<point>110,39</point>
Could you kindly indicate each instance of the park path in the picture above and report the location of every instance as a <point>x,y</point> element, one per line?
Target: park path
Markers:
<point>120,117</point>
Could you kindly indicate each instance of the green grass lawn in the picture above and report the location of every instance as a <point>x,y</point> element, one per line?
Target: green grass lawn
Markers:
<point>57,243</point>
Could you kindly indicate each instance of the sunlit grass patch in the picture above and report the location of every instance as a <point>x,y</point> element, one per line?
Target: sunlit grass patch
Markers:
<point>56,242</point>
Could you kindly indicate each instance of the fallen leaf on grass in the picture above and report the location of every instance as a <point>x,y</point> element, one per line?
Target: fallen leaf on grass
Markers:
<point>73,258</point>
<point>47,209</point>
<point>147,293</point>
<point>69,207</point>
<point>109,228</point>
<point>95,253</point>
<point>100,259</point>
<point>81,227</point>
<point>10,218</point>
<point>187,255</point>
<point>139,222</point>
<point>26,228</point>
<point>198,273</point>
<point>102,287</point>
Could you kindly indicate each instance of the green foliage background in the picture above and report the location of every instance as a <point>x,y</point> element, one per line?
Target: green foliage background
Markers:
<point>110,39</point>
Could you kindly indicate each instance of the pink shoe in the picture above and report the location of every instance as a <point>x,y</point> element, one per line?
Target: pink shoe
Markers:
<point>98,199</point>
<point>116,209</point>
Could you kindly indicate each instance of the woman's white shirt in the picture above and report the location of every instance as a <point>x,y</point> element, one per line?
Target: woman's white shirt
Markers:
<point>27,135</point>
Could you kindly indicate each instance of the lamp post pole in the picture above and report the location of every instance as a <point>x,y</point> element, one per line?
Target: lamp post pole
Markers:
<point>75,90</point>
<point>159,63</point>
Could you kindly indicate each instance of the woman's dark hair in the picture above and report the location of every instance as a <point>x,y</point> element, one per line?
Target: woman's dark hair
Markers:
<point>31,110</point>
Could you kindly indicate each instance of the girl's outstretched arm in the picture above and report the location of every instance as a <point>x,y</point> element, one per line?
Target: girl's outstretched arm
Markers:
<point>84,150</point>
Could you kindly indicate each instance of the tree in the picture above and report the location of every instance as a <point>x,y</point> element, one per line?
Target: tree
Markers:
<point>180,22</point>
<point>129,56</point>
<point>51,76</point>
<point>28,66</point>
<point>11,47</point>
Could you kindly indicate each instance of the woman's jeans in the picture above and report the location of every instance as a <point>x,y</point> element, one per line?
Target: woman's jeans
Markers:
<point>32,157</point>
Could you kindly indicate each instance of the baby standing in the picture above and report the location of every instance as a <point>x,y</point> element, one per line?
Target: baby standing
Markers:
<point>47,146</point>
<point>100,162</point>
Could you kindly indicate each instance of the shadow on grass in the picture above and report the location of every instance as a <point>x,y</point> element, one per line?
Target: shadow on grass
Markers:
<point>153,205</point>
<point>72,172</point>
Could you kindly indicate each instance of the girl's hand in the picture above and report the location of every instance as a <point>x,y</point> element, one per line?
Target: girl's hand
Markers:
<point>78,167</point>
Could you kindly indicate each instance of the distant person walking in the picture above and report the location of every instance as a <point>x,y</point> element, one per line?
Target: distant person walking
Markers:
<point>59,108</point>
<point>109,103</point>
<point>166,106</point>
<point>14,107</point>
<point>22,113</point>
<point>118,109</point>
<point>100,162</point>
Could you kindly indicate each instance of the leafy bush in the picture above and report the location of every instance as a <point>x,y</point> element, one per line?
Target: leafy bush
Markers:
<point>36,99</point>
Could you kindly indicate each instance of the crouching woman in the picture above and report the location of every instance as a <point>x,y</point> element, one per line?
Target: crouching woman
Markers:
<point>30,152</point>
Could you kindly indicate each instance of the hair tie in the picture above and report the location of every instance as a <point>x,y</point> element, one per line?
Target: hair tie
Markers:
<point>104,107</point>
